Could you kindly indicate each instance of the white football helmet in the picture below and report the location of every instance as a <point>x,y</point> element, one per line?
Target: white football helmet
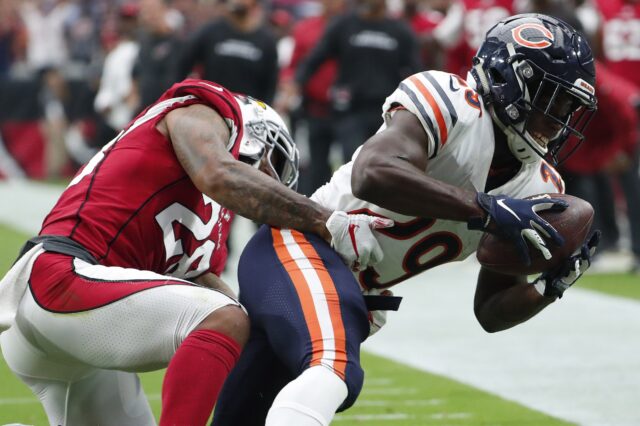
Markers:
<point>265,133</point>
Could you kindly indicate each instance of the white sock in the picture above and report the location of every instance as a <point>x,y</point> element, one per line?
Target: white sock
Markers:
<point>310,400</point>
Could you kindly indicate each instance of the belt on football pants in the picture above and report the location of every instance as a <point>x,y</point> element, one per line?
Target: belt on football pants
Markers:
<point>382,303</point>
<point>59,244</point>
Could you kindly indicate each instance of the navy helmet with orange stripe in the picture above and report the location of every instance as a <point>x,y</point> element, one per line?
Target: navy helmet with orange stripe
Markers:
<point>536,74</point>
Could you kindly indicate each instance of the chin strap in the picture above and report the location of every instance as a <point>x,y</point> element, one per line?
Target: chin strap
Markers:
<point>481,76</point>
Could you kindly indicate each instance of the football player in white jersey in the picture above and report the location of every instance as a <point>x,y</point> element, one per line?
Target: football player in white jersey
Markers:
<point>453,158</point>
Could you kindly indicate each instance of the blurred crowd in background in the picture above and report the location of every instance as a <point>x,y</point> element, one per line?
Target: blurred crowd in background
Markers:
<point>74,72</point>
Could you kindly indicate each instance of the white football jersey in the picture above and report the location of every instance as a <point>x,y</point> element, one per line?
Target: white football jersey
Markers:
<point>460,148</point>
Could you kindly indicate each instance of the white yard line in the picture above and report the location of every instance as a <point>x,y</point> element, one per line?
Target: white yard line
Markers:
<point>579,360</point>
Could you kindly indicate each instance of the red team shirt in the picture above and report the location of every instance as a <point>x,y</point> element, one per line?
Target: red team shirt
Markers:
<point>621,37</point>
<point>614,125</point>
<point>306,34</point>
<point>134,206</point>
<point>479,17</point>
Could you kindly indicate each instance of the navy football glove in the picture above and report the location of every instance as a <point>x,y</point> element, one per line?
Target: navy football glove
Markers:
<point>517,219</point>
<point>554,283</point>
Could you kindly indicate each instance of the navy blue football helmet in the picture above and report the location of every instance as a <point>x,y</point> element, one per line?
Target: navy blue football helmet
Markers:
<point>536,75</point>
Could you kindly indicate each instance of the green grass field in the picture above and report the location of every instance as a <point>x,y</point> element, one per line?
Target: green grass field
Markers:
<point>393,394</point>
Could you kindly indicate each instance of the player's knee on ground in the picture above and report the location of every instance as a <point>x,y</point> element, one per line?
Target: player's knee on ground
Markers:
<point>231,321</point>
<point>354,380</point>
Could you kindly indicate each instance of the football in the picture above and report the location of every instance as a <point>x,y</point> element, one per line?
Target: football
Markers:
<point>574,223</point>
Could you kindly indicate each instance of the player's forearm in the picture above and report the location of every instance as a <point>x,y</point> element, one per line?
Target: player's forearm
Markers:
<point>510,307</point>
<point>256,196</point>
<point>395,184</point>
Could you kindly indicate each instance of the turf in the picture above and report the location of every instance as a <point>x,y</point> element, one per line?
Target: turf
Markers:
<point>393,393</point>
<point>625,285</point>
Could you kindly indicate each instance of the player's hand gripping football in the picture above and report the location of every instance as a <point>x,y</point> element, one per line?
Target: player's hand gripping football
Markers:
<point>554,283</point>
<point>353,238</point>
<point>517,219</point>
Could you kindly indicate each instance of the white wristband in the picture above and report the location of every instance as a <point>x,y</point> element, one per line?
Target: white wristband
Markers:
<point>540,285</point>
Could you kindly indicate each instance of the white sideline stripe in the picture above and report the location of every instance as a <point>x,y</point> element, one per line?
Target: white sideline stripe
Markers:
<point>317,295</point>
<point>24,204</point>
<point>579,360</point>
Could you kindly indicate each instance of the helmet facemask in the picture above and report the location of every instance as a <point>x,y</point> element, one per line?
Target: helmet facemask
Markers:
<point>554,110</point>
<point>266,143</point>
<point>566,108</point>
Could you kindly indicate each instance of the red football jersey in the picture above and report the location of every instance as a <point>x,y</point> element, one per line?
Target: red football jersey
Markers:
<point>621,37</point>
<point>479,17</point>
<point>134,206</point>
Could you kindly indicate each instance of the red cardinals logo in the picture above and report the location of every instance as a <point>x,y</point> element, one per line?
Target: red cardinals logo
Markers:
<point>542,40</point>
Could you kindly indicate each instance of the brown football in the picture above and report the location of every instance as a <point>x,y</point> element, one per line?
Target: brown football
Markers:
<point>574,223</point>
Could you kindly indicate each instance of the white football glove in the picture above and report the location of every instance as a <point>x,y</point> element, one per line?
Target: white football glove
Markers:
<point>554,283</point>
<point>353,238</point>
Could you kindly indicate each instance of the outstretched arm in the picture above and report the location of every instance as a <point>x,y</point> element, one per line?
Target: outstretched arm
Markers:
<point>199,136</point>
<point>504,301</point>
<point>390,172</point>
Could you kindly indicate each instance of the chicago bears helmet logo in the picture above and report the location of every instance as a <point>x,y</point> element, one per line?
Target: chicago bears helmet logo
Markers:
<point>545,39</point>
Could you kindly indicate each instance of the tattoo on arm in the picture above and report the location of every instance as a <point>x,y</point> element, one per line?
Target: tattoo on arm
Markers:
<point>200,136</point>
<point>261,198</point>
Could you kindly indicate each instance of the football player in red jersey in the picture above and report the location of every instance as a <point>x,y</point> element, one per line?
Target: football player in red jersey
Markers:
<point>117,280</point>
<point>453,157</point>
